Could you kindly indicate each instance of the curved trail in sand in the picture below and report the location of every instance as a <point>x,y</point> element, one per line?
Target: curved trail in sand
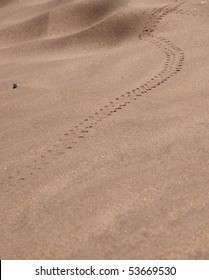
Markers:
<point>104,151</point>
<point>173,64</point>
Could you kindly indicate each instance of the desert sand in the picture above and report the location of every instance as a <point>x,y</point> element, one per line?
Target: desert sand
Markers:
<point>105,140</point>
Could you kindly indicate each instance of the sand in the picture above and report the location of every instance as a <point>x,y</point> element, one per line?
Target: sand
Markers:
<point>104,143</point>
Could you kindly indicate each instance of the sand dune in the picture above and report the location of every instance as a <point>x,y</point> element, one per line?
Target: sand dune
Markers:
<point>58,21</point>
<point>104,143</point>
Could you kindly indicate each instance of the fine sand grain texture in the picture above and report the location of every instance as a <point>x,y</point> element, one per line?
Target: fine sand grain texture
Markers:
<point>105,139</point>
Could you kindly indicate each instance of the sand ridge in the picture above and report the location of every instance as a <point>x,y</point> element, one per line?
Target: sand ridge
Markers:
<point>173,64</point>
<point>56,134</point>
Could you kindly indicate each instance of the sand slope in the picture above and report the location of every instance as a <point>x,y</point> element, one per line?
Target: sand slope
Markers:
<point>104,144</point>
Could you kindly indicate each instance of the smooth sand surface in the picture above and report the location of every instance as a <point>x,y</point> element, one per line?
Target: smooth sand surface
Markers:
<point>105,142</point>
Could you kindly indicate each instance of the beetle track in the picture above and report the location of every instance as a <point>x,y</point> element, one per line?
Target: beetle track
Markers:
<point>70,138</point>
